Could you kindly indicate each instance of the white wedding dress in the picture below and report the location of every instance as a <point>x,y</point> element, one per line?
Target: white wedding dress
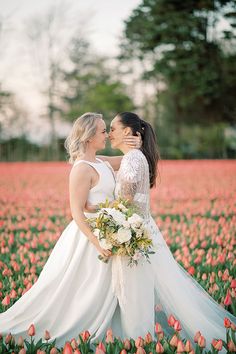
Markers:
<point>75,291</point>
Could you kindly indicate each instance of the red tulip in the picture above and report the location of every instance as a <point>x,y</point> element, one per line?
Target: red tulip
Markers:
<point>31,330</point>
<point>227,323</point>
<point>159,348</point>
<point>227,300</point>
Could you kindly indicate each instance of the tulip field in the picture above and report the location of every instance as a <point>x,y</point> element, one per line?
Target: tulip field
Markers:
<point>194,205</point>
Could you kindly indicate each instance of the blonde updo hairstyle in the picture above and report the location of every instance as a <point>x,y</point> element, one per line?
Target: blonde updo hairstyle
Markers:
<point>83,129</point>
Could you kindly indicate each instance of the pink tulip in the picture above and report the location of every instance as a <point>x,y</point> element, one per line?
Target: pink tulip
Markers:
<point>53,351</point>
<point>171,321</point>
<point>139,342</point>
<point>85,336</point>
<point>31,330</point>
<point>231,346</point>
<point>197,336</point>
<point>6,301</point>
<point>227,323</point>
<point>180,347</point>
<point>217,344</point>
<point>177,326</point>
<point>201,342</point>
<point>47,335</point>
<point>148,338</point>
<point>127,344</point>
<point>188,346</point>
<point>158,328</point>
<point>159,348</point>
<point>67,349</point>
<point>174,341</point>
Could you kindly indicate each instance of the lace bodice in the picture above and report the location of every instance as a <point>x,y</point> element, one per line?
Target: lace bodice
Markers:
<point>132,181</point>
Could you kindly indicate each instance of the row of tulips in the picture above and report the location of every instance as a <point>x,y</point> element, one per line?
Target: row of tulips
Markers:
<point>113,345</point>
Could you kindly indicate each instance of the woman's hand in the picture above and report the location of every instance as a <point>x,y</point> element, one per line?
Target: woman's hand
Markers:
<point>133,141</point>
<point>104,253</point>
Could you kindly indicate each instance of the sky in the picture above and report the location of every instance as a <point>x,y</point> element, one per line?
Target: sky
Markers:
<point>102,21</point>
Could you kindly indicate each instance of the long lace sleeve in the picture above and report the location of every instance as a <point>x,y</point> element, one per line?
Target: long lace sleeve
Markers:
<point>133,180</point>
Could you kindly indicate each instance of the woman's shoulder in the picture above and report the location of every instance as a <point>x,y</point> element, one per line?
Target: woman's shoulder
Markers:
<point>132,164</point>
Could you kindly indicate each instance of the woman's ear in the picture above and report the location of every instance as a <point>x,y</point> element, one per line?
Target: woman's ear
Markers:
<point>127,131</point>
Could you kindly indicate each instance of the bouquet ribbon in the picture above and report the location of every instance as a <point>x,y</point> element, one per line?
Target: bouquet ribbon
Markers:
<point>118,280</point>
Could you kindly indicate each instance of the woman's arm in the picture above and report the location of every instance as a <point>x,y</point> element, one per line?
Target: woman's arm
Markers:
<point>79,187</point>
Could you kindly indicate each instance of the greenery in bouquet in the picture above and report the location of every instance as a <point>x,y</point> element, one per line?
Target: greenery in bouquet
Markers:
<point>120,229</point>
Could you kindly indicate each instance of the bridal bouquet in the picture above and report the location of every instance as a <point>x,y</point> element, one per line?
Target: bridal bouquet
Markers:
<point>121,230</point>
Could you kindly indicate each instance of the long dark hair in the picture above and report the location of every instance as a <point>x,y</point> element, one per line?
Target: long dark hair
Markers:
<point>149,141</point>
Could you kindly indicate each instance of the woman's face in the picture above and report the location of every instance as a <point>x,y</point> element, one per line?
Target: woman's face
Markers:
<point>99,139</point>
<point>117,133</point>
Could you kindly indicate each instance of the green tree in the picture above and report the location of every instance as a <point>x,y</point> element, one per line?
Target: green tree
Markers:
<point>189,54</point>
<point>91,85</point>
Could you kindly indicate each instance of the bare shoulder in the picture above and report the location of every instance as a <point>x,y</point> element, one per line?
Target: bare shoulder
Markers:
<point>80,171</point>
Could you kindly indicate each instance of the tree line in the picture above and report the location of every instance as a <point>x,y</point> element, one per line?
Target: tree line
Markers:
<point>176,68</point>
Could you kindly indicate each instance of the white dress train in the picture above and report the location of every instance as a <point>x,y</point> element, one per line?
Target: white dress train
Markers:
<point>75,291</point>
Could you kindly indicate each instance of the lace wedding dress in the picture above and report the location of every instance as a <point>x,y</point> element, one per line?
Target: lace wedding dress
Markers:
<point>162,284</point>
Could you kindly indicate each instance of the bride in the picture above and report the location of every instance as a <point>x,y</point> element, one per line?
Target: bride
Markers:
<point>75,291</point>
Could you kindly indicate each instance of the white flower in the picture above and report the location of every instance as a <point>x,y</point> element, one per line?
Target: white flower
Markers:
<point>126,224</point>
<point>135,220</point>
<point>104,244</point>
<point>96,232</point>
<point>122,207</point>
<point>116,215</point>
<point>137,256</point>
<point>123,235</point>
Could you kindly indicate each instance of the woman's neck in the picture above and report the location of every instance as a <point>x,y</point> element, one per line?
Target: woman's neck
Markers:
<point>88,156</point>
